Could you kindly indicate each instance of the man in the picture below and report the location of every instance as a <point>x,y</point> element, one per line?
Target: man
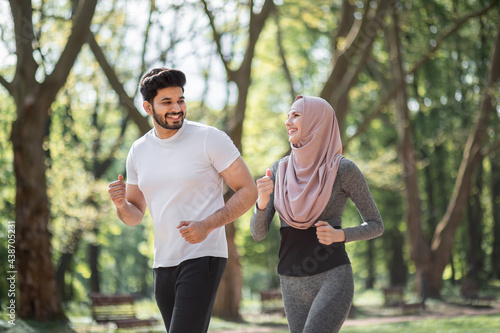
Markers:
<point>177,170</point>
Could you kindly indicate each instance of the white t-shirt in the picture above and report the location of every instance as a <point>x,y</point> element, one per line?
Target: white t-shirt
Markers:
<point>180,180</point>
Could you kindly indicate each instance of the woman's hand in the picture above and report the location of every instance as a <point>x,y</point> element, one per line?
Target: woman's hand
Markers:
<point>327,234</point>
<point>265,187</point>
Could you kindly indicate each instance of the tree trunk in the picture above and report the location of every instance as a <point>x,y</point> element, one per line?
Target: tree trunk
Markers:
<point>495,199</point>
<point>146,290</point>
<point>443,238</point>
<point>370,264</point>
<point>442,189</point>
<point>396,263</point>
<point>452,267</point>
<point>94,264</point>
<point>38,297</point>
<point>431,202</point>
<point>228,298</point>
<point>475,254</point>
<point>36,279</point>
<point>65,265</point>
<point>229,293</point>
<point>407,157</point>
<point>348,61</point>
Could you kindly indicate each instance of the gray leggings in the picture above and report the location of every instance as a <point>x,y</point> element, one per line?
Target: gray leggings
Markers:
<point>318,303</point>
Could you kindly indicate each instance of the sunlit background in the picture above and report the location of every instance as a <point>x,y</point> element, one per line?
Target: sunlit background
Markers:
<point>406,78</point>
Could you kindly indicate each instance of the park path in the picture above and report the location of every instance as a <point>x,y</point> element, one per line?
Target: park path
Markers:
<point>449,311</point>
<point>439,312</point>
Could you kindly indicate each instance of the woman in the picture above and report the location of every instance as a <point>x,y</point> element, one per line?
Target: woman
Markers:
<point>309,190</point>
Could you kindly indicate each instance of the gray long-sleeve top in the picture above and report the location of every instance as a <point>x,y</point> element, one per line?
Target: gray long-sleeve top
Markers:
<point>350,183</point>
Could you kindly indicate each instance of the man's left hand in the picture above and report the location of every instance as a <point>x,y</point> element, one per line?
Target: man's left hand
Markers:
<point>193,231</point>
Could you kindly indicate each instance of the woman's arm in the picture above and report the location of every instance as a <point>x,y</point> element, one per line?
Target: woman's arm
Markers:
<point>355,185</point>
<point>263,216</point>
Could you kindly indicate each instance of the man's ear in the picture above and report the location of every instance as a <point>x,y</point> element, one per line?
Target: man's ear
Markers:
<point>147,107</point>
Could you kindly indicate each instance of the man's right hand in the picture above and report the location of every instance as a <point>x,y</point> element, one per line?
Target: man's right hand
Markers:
<point>265,186</point>
<point>118,191</point>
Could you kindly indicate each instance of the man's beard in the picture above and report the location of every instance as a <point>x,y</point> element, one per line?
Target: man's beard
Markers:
<point>162,121</point>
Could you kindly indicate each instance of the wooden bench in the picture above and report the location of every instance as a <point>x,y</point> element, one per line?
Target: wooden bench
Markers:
<point>272,301</point>
<point>394,297</point>
<point>470,293</point>
<point>118,309</point>
<point>413,308</point>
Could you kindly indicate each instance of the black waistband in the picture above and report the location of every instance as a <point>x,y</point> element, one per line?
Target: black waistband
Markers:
<point>301,254</point>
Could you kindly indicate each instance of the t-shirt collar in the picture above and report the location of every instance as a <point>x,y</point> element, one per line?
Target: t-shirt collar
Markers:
<point>173,137</point>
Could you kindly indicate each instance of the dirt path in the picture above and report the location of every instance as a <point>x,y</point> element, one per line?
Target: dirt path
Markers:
<point>435,311</point>
<point>448,311</point>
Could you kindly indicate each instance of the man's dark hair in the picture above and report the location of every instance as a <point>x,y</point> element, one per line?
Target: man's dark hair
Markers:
<point>159,78</point>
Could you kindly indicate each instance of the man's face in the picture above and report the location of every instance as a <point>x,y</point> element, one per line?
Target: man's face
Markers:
<point>168,108</point>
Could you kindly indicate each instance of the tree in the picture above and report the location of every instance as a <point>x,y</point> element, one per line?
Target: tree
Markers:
<point>406,151</point>
<point>38,297</point>
<point>352,49</point>
<point>431,259</point>
<point>473,153</point>
<point>495,199</point>
<point>229,294</point>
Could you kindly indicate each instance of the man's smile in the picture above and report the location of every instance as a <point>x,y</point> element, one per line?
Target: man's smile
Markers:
<point>176,115</point>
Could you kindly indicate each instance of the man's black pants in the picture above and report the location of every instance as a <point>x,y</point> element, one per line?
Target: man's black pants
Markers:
<point>186,293</point>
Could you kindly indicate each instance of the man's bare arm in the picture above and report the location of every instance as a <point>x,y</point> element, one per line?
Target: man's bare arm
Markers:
<point>238,178</point>
<point>129,201</point>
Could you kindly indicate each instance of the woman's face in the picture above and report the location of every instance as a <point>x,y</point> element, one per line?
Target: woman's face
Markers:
<point>293,126</point>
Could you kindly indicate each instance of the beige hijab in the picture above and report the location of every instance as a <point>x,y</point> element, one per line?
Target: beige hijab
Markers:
<point>304,183</point>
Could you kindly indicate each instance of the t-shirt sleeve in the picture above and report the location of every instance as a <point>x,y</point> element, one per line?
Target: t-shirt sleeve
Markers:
<point>132,177</point>
<point>220,149</point>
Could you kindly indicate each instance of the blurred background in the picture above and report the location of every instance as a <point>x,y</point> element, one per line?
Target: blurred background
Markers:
<point>414,85</point>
